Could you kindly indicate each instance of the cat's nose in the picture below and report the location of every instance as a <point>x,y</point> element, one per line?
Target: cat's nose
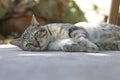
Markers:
<point>36,44</point>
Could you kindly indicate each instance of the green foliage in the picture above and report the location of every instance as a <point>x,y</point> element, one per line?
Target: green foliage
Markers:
<point>73,14</point>
<point>51,10</point>
<point>2,11</point>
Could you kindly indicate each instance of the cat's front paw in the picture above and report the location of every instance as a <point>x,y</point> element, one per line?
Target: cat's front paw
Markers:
<point>66,48</point>
<point>92,48</point>
<point>70,48</point>
<point>86,45</point>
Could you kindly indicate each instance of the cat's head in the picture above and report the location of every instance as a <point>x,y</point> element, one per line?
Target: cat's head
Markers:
<point>35,37</point>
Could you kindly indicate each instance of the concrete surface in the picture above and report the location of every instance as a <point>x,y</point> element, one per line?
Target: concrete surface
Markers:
<point>16,64</point>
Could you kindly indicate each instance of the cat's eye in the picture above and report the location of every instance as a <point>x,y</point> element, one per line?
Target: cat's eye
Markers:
<point>29,46</point>
<point>42,30</point>
<point>38,25</point>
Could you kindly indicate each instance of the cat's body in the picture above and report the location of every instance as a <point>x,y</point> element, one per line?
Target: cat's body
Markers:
<point>68,37</point>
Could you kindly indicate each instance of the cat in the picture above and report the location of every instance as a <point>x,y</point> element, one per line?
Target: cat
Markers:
<point>82,36</point>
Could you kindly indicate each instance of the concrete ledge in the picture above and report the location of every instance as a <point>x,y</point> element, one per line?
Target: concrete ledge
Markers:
<point>16,64</point>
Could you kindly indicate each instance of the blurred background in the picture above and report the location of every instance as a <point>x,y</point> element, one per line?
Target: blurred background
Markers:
<point>15,15</point>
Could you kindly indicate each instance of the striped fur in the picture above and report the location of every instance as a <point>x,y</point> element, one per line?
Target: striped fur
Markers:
<point>68,37</point>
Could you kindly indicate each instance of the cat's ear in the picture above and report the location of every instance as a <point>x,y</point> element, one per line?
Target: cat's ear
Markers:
<point>34,21</point>
<point>16,42</point>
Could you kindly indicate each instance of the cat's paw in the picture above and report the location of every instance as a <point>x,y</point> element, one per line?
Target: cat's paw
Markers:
<point>70,48</point>
<point>80,48</point>
<point>66,48</point>
<point>92,48</point>
<point>86,45</point>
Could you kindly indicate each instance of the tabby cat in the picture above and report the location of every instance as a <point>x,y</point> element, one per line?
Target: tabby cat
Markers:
<point>83,36</point>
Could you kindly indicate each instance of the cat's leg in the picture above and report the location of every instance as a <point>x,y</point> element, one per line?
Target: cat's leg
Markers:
<point>89,46</point>
<point>65,45</point>
<point>116,44</point>
<point>81,37</point>
<point>109,45</point>
<point>69,45</point>
<point>81,47</point>
<point>72,46</point>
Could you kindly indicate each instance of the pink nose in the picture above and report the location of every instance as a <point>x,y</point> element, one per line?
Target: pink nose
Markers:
<point>36,44</point>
